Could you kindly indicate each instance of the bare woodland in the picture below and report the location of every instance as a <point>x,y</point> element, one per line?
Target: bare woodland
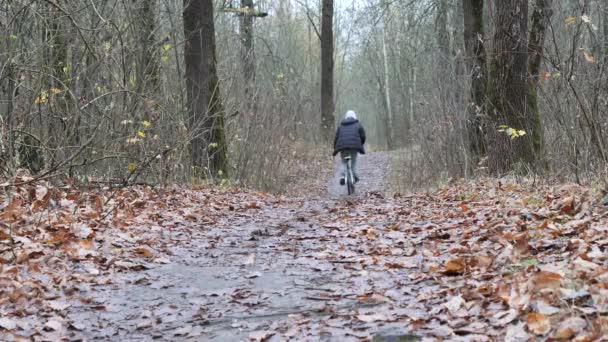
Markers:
<point>168,91</point>
<point>165,170</point>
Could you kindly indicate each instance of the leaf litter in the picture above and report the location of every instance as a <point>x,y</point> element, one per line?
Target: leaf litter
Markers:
<point>473,261</point>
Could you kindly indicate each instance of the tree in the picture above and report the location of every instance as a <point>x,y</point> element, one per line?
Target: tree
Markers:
<point>248,52</point>
<point>541,17</point>
<point>476,57</point>
<point>327,71</point>
<point>508,92</point>
<point>148,75</point>
<point>605,29</point>
<point>63,120</point>
<point>205,110</point>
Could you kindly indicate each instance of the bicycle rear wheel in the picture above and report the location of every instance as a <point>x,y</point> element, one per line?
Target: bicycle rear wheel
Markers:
<point>350,179</point>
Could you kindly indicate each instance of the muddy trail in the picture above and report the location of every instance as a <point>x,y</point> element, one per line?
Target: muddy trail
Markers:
<point>477,261</point>
<point>269,271</point>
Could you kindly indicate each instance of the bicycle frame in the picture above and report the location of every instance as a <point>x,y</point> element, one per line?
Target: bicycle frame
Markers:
<point>350,178</point>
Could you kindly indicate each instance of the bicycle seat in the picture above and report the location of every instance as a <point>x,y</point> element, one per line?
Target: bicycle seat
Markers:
<point>347,158</point>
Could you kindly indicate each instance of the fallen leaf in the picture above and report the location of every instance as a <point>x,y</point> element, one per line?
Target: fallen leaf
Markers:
<point>455,266</point>
<point>261,336</point>
<point>144,252</point>
<point>53,325</point>
<point>372,318</point>
<point>538,323</point>
<point>7,323</point>
<point>585,266</point>
<point>454,304</point>
<point>567,206</point>
<point>546,280</point>
<point>570,328</point>
<point>516,333</point>
<point>162,261</point>
<point>546,309</point>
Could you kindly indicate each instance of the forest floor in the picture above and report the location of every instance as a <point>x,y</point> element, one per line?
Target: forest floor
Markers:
<point>476,261</point>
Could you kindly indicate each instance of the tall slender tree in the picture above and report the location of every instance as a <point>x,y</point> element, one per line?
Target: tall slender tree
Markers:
<point>327,70</point>
<point>206,113</point>
<point>248,52</point>
<point>474,35</point>
<point>541,16</point>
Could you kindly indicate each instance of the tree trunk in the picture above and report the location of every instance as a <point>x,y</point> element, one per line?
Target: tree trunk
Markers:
<point>387,88</point>
<point>605,29</point>
<point>63,121</point>
<point>327,71</point>
<point>149,75</point>
<point>476,56</point>
<point>7,86</point>
<point>248,54</point>
<point>508,92</point>
<point>206,114</point>
<point>541,17</point>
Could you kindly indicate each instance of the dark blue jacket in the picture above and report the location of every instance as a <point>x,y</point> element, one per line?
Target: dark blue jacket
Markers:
<point>350,135</point>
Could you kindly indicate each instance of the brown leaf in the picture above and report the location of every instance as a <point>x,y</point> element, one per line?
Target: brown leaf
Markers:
<point>86,244</point>
<point>455,266</point>
<point>538,323</point>
<point>567,206</point>
<point>569,328</point>
<point>546,280</point>
<point>482,261</point>
<point>144,252</point>
<point>98,204</point>
<point>394,265</point>
<point>261,336</point>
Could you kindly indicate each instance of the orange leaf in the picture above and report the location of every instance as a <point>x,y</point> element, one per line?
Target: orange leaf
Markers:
<point>546,280</point>
<point>86,244</point>
<point>564,334</point>
<point>98,204</point>
<point>455,266</point>
<point>144,252</point>
<point>463,207</point>
<point>538,323</point>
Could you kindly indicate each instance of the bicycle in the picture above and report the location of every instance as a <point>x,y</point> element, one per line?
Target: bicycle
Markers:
<point>350,177</point>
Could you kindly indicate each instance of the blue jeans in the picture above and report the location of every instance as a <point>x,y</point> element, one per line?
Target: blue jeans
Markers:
<point>353,157</point>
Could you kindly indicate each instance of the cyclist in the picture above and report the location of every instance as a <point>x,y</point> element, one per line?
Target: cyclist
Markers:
<point>349,140</point>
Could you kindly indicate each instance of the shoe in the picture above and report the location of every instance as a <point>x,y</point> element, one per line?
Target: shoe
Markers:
<point>356,179</point>
<point>342,181</point>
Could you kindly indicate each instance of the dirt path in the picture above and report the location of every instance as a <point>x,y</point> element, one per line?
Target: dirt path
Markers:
<point>481,261</point>
<point>372,171</point>
<point>272,270</point>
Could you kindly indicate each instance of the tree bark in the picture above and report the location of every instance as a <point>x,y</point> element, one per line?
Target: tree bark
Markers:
<point>508,92</point>
<point>541,17</point>
<point>605,29</point>
<point>63,121</point>
<point>206,114</point>
<point>476,56</point>
<point>327,71</point>
<point>248,53</point>
<point>387,87</point>
<point>149,75</point>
